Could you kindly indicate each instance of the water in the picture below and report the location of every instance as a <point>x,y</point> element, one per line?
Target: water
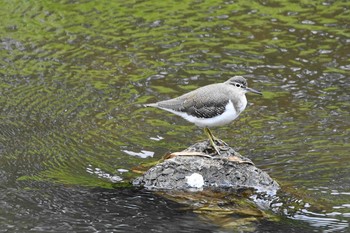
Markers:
<point>72,129</point>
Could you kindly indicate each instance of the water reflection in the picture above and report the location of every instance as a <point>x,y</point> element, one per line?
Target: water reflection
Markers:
<point>74,77</point>
<point>70,210</point>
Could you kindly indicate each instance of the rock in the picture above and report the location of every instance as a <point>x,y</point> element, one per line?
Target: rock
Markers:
<point>196,169</point>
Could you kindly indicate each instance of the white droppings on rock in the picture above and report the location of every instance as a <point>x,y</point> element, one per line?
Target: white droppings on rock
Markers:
<point>195,180</point>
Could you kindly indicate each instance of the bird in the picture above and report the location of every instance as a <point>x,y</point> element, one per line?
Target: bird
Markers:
<point>210,106</point>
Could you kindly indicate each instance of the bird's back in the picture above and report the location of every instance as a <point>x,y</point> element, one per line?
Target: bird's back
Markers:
<point>201,97</point>
<point>207,101</point>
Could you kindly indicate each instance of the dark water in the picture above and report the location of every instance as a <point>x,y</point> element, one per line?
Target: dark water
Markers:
<point>73,76</point>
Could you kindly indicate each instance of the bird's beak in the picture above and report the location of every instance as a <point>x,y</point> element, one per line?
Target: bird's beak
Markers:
<point>253,91</point>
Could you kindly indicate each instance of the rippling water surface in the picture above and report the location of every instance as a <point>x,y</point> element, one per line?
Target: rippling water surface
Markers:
<point>74,76</point>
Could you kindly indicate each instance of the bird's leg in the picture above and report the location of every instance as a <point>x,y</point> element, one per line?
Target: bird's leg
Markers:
<point>211,135</point>
<point>212,139</point>
<point>215,139</point>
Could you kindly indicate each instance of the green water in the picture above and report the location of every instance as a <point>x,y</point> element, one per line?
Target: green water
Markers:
<point>74,76</point>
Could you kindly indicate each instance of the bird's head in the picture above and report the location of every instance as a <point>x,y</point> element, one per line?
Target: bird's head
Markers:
<point>241,83</point>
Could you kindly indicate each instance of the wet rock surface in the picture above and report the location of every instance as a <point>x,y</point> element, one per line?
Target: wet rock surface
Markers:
<point>197,168</point>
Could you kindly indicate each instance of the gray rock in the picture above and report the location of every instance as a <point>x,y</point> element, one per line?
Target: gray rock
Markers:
<point>196,169</point>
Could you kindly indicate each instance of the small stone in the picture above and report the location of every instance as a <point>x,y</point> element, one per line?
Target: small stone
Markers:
<point>151,175</point>
<point>179,176</point>
<point>168,171</point>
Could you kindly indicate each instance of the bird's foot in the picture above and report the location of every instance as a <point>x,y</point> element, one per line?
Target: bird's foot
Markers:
<point>219,142</point>
<point>218,145</point>
<point>216,149</point>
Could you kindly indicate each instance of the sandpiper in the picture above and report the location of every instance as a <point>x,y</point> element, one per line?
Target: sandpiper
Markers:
<point>212,105</point>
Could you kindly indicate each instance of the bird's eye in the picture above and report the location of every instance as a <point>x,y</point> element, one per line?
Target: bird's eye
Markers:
<point>238,85</point>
